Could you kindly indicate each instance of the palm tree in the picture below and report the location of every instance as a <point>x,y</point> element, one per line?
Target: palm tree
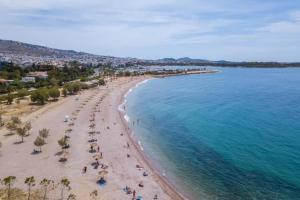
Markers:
<point>21,131</point>
<point>94,194</point>
<point>8,182</point>
<point>47,185</point>
<point>39,142</point>
<point>71,197</point>
<point>30,181</point>
<point>44,133</point>
<point>65,185</point>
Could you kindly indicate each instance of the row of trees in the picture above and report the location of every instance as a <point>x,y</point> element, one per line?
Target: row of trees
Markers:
<point>42,95</point>
<point>16,126</point>
<point>46,185</point>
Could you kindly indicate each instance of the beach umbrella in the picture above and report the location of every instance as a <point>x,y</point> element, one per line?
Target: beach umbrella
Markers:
<point>68,130</point>
<point>94,144</point>
<point>103,173</point>
<point>97,157</point>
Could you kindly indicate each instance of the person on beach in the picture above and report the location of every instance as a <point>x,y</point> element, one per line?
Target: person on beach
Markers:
<point>98,149</point>
<point>133,194</point>
<point>84,169</point>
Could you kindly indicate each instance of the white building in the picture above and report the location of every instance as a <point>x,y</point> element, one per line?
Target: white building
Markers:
<point>28,79</point>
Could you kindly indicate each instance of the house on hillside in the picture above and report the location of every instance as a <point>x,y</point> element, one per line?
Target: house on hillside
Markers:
<point>5,81</point>
<point>32,76</point>
<point>38,74</point>
<point>28,79</point>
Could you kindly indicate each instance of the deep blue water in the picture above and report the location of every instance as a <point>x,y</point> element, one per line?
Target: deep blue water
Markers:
<point>230,135</point>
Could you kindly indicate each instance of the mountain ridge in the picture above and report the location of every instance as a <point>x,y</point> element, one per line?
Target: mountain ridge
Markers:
<point>26,54</point>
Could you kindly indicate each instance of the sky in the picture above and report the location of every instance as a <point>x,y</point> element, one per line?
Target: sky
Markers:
<point>236,30</point>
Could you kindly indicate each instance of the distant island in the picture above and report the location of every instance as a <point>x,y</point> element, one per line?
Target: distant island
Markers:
<point>27,54</point>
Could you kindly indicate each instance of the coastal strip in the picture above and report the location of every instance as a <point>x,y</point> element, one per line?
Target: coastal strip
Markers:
<point>163,182</point>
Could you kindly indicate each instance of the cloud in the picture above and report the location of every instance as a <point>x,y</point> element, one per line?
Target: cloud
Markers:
<point>156,28</point>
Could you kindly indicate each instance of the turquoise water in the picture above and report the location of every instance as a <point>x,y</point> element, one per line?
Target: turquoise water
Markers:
<point>230,135</point>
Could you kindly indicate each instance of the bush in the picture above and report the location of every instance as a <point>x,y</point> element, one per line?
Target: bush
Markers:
<point>72,88</point>
<point>64,92</point>
<point>22,93</point>
<point>9,99</point>
<point>40,96</point>
<point>101,81</point>
<point>54,93</point>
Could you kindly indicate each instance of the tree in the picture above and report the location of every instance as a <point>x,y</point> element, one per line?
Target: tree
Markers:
<point>40,96</point>
<point>21,131</point>
<point>46,185</point>
<point>71,197</point>
<point>63,142</point>
<point>101,81</point>
<point>8,182</point>
<point>16,120</point>
<point>54,93</point>
<point>9,99</point>
<point>22,93</point>
<point>30,181</point>
<point>14,123</point>
<point>65,92</point>
<point>44,133</point>
<point>11,127</point>
<point>39,142</point>
<point>65,185</point>
<point>94,194</point>
<point>28,126</point>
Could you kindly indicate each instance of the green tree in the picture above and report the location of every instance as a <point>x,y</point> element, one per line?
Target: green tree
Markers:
<point>30,182</point>
<point>14,123</point>
<point>46,185</point>
<point>94,194</point>
<point>21,131</point>
<point>63,142</point>
<point>101,81</point>
<point>28,126</point>
<point>39,142</point>
<point>71,197</point>
<point>8,182</point>
<point>65,185</point>
<point>54,93</point>
<point>44,133</point>
<point>65,92</point>
<point>9,99</point>
<point>40,96</point>
<point>16,120</point>
<point>22,93</point>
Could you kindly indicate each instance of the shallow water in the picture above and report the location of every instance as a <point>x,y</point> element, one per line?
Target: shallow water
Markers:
<point>230,135</point>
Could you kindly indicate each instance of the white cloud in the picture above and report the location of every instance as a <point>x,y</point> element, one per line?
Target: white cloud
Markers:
<point>149,28</point>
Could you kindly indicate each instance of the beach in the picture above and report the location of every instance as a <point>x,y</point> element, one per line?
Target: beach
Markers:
<point>126,165</point>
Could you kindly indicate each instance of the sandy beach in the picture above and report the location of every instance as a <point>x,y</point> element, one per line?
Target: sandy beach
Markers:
<point>120,154</point>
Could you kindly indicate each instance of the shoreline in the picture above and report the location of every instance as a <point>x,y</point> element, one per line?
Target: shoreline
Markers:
<point>164,183</point>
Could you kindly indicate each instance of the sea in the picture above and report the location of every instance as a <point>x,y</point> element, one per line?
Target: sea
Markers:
<point>230,135</point>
